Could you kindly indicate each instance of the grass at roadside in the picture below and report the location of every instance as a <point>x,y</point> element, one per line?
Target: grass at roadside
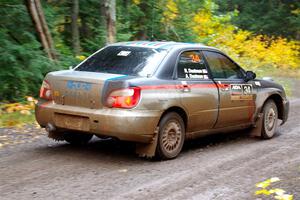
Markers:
<point>16,119</point>
<point>283,77</point>
<point>17,114</point>
<point>286,83</point>
<point>275,72</point>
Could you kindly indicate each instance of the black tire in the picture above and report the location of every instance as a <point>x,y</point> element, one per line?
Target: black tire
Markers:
<point>77,138</point>
<point>270,120</point>
<point>171,136</point>
<point>102,137</point>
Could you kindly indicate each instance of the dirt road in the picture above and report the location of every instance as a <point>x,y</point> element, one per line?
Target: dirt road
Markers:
<point>213,167</point>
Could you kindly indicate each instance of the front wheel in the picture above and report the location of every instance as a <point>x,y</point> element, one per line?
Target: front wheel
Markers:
<point>270,119</point>
<point>77,138</point>
<point>171,136</point>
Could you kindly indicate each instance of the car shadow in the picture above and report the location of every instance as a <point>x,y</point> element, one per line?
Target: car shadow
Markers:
<point>112,149</point>
<point>95,149</point>
<point>217,139</point>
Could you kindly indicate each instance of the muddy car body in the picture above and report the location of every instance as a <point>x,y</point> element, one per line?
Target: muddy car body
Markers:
<point>157,94</point>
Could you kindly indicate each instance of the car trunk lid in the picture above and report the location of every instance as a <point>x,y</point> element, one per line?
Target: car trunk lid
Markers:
<point>82,89</point>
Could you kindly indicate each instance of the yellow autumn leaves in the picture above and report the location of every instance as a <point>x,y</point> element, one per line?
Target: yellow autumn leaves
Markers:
<point>17,114</point>
<point>25,108</point>
<point>136,1</point>
<point>277,193</point>
<point>249,50</point>
<point>81,57</point>
<point>170,11</point>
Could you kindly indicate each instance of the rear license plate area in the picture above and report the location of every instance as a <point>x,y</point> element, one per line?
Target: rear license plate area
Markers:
<point>74,122</point>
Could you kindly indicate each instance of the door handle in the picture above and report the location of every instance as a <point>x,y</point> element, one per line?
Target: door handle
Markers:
<point>224,87</point>
<point>186,88</point>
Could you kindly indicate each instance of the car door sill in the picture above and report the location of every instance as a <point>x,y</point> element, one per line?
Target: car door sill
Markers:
<point>196,134</point>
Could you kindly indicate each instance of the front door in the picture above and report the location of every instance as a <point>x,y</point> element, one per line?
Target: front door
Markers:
<point>236,96</point>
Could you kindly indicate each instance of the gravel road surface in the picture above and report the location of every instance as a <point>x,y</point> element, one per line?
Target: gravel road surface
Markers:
<point>225,166</point>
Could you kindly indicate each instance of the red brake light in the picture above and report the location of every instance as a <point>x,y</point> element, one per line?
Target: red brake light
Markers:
<point>45,91</point>
<point>124,98</point>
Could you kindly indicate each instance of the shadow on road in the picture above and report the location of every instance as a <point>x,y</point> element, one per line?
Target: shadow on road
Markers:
<point>120,150</point>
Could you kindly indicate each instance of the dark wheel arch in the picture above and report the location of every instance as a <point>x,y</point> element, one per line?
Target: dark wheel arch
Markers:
<point>279,104</point>
<point>180,111</point>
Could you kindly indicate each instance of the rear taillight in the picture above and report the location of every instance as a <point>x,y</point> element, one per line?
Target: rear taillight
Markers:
<point>45,91</point>
<point>124,98</point>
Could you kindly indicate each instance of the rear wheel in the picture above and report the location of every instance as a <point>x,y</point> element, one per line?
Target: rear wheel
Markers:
<point>171,136</point>
<point>77,138</point>
<point>270,119</point>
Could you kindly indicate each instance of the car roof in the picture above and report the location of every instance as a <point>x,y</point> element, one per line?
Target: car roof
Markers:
<point>162,45</point>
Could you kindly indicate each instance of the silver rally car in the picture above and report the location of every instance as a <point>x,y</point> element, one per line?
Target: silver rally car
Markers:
<point>158,94</point>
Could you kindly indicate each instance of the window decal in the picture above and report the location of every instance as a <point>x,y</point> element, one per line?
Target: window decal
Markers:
<point>195,73</point>
<point>124,53</point>
<point>195,58</point>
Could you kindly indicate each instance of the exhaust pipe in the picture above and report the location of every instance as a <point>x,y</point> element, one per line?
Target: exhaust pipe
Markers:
<point>50,127</point>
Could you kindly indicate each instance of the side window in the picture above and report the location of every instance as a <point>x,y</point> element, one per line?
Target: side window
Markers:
<point>191,66</point>
<point>221,66</point>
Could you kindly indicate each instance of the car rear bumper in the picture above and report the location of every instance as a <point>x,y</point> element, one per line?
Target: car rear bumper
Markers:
<point>131,125</point>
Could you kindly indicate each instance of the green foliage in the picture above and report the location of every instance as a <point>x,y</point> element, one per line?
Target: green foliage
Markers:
<point>144,20</point>
<point>280,18</point>
<point>23,64</point>
<point>15,119</point>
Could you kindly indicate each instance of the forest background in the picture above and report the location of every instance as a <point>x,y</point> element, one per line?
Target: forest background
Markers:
<point>39,36</point>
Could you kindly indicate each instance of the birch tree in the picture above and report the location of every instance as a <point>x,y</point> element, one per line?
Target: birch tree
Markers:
<point>108,12</point>
<point>75,28</point>
<point>36,13</point>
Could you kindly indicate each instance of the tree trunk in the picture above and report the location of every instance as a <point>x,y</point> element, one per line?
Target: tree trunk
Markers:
<point>45,26</point>
<point>108,11</point>
<point>84,29</point>
<point>75,28</point>
<point>142,33</point>
<point>37,15</point>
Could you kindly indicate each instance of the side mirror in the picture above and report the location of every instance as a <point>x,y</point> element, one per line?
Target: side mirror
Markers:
<point>70,67</point>
<point>249,76</point>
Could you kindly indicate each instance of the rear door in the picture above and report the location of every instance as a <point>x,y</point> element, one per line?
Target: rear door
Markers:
<point>236,96</point>
<point>199,94</point>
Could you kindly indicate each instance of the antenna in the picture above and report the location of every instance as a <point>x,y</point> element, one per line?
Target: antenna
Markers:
<point>152,22</point>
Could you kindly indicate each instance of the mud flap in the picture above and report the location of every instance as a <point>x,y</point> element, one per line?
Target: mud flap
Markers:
<point>256,131</point>
<point>148,149</point>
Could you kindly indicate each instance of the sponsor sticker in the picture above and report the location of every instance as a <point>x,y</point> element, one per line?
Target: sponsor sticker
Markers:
<point>79,85</point>
<point>241,91</point>
<point>257,83</point>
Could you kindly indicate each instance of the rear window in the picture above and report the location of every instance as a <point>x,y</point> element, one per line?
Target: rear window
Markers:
<point>136,61</point>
